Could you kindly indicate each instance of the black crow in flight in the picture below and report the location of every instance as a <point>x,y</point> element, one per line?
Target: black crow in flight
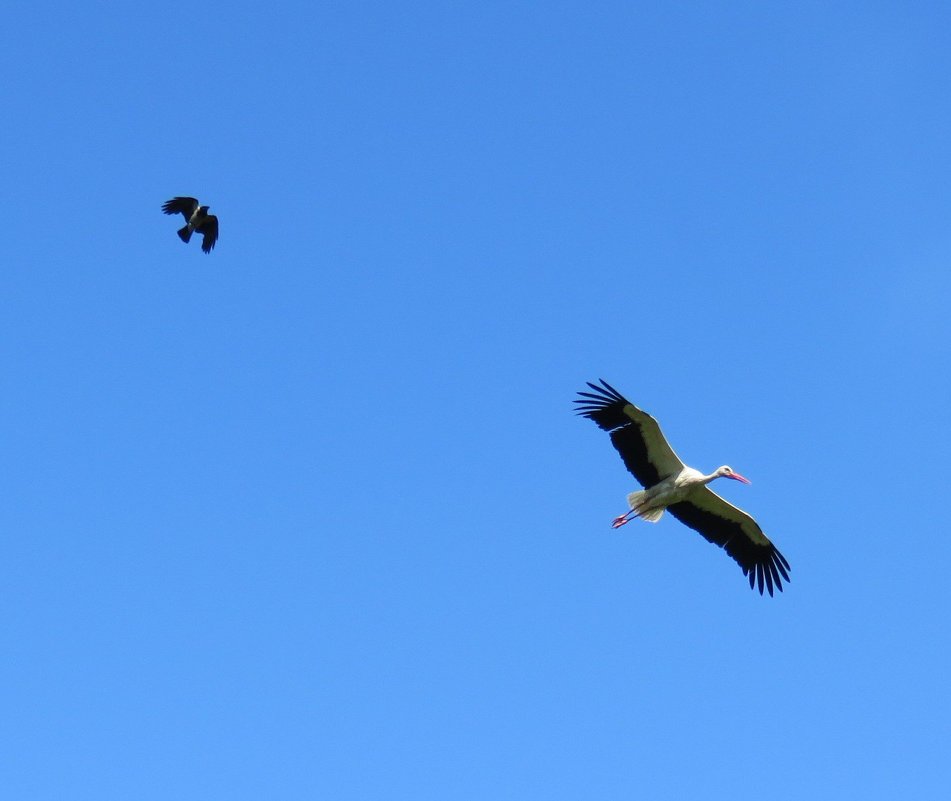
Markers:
<point>197,218</point>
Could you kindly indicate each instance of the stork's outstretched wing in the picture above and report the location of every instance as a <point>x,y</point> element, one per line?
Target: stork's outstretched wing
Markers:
<point>635,434</point>
<point>737,533</point>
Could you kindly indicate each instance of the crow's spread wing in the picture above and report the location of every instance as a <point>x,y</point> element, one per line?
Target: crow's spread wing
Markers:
<point>208,228</point>
<point>186,206</point>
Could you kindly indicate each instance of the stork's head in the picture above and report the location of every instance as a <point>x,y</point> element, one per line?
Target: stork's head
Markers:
<point>204,209</point>
<point>728,472</point>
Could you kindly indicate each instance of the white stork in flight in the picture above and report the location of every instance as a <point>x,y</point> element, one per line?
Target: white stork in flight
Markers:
<point>670,484</point>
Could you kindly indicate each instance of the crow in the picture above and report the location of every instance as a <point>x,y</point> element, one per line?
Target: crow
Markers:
<point>197,218</point>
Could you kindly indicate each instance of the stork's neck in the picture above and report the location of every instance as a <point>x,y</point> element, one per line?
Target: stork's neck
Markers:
<point>709,478</point>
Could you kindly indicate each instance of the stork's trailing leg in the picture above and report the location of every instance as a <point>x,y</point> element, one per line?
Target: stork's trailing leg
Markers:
<point>620,520</point>
<point>638,501</point>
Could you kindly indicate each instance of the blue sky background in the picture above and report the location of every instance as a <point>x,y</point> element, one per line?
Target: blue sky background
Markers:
<point>310,517</point>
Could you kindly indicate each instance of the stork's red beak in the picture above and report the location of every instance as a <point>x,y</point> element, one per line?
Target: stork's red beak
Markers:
<point>738,477</point>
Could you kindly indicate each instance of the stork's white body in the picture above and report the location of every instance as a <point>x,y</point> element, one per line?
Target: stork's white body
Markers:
<point>649,504</point>
<point>678,488</point>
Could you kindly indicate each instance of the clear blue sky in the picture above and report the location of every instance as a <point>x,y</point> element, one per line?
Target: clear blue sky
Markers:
<point>311,517</point>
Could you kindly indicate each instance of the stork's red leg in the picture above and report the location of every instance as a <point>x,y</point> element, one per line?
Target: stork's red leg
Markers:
<point>620,520</point>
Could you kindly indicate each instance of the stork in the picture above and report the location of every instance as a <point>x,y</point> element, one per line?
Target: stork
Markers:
<point>670,485</point>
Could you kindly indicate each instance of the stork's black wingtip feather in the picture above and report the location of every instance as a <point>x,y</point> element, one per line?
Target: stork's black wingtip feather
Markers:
<point>587,397</point>
<point>783,561</point>
<point>602,397</point>
<point>768,575</point>
<point>782,570</point>
<point>775,574</point>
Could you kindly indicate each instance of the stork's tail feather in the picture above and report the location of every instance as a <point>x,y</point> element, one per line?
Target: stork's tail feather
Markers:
<point>185,234</point>
<point>636,501</point>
